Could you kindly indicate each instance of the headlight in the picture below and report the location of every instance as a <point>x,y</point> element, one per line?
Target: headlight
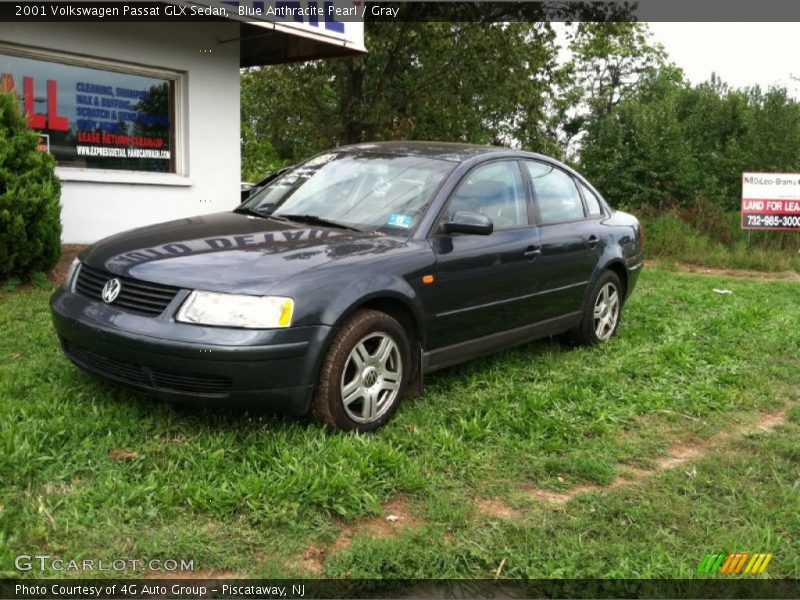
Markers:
<point>73,268</point>
<point>236,310</point>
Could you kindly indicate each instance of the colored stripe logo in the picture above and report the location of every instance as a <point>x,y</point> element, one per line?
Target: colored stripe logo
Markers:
<point>734,563</point>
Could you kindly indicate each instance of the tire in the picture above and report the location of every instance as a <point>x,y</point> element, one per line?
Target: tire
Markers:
<point>602,311</point>
<point>364,374</point>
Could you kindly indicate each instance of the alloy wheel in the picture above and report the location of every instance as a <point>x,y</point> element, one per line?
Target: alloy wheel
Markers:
<point>606,311</point>
<point>371,377</point>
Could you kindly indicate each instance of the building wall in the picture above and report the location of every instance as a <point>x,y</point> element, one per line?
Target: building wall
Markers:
<point>99,203</point>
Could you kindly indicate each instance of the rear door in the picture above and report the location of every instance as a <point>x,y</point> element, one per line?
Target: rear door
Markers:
<point>570,245</point>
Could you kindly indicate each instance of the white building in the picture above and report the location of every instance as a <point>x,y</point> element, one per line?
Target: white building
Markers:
<point>143,117</point>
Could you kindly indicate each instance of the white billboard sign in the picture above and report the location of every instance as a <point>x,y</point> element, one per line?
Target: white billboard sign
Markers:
<point>771,201</point>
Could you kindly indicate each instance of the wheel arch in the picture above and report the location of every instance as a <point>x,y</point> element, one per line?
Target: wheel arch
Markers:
<point>617,266</point>
<point>404,312</point>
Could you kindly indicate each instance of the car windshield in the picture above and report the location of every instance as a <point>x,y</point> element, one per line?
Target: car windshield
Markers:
<point>364,191</point>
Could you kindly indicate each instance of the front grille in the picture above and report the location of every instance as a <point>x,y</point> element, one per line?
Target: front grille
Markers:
<point>135,295</point>
<point>191,383</point>
<point>106,366</point>
<point>148,377</point>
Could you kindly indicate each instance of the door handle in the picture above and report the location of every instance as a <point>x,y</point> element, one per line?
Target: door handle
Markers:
<point>532,252</point>
<point>592,241</point>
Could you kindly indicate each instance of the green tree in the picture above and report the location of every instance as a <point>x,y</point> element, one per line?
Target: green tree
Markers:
<point>30,226</point>
<point>469,82</point>
<point>608,62</point>
<point>259,156</point>
<point>774,131</point>
<point>671,143</point>
<point>638,154</point>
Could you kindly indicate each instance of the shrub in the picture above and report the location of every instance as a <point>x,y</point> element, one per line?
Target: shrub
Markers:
<point>672,144</point>
<point>30,225</point>
<point>723,244</point>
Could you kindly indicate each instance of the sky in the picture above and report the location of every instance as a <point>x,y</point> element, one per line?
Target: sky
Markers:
<point>742,54</point>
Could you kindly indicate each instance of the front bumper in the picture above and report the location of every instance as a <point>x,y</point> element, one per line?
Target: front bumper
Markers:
<point>272,370</point>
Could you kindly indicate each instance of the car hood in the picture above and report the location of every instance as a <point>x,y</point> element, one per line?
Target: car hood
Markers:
<point>230,251</point>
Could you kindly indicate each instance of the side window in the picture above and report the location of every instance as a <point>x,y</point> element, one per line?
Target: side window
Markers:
<point>495,190</point>
<point>556,194</point>
<point>592,203</point>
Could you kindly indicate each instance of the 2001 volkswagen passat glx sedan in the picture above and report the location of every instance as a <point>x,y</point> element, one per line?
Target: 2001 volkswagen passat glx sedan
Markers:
<point>341,281</point>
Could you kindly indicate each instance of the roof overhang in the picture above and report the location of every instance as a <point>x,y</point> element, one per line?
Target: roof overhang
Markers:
<point>273,43</point>
<point>266,38</point>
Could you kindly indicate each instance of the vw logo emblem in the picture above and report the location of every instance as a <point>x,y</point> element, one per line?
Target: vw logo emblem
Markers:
<point>111,290</point>
<point>370,377</point>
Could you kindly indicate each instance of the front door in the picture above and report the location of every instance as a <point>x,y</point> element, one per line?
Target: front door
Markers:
<point>484,283</point>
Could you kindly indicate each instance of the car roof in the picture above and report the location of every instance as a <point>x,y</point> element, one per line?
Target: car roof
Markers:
<point>442,150</point>
<point>454,152</point>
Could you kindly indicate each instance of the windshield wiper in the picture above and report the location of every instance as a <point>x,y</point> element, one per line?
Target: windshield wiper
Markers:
<point>243,210</point>
<point>315,220</point>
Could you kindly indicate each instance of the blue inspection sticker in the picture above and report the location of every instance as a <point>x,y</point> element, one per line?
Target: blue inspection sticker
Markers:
<point>403,221</point>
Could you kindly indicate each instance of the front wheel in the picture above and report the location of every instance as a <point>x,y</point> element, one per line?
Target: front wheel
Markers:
<point>364,374</point>
<point>601,314</point>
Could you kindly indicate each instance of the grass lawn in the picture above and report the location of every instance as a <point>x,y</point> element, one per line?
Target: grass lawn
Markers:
<point>89,470</point>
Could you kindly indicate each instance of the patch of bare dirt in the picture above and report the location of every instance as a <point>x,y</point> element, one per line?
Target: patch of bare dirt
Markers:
<point>629,474</point>
<point>68,254</point>
<point>560,497</point>
<point>744,273</point>
<point>311,561</point>
<point>201,574</point>
<point>123,454</point>
<point>394,518</point>
<point>495,507</point>
<point>770,421</point>
<point>677,456</point>
<point>344,540</point>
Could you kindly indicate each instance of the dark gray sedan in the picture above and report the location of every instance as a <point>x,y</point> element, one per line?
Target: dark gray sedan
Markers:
<point>340,282</point>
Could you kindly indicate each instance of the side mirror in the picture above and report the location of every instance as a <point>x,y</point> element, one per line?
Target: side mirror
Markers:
<point>246,190</point>
<point>465,221</point>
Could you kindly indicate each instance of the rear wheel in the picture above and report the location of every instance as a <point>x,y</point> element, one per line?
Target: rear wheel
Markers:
<point>602,312</point>
<point>364,374</point>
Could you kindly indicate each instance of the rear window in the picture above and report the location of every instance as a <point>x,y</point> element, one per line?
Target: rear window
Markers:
<point>592,202</point>
<point>556,194</point>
